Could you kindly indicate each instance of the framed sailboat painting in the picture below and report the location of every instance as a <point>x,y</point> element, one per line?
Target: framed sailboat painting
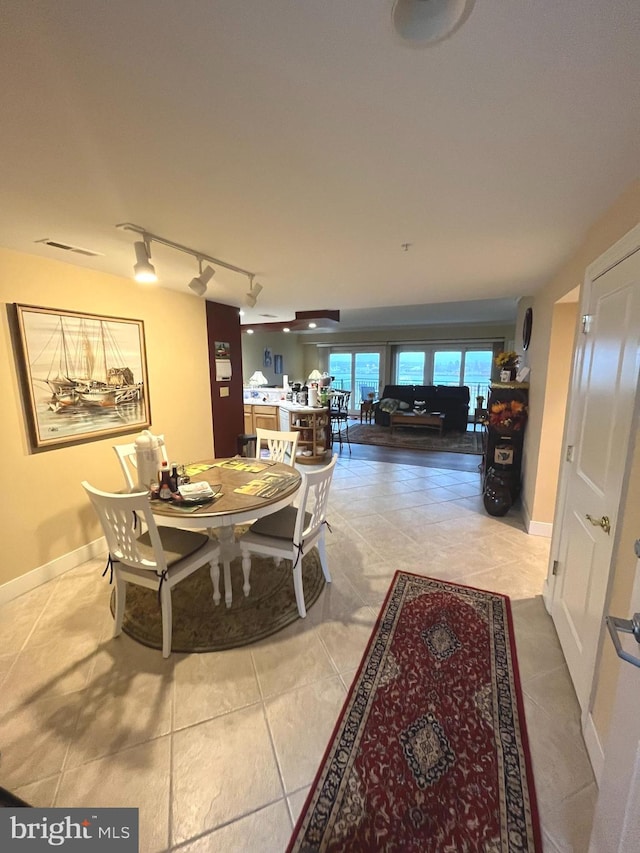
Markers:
<point>84,375</point>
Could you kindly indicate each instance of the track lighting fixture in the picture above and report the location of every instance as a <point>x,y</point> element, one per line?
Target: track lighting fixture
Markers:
<point>199,283</point>
<point>254,291</point>
<point>143,268</point>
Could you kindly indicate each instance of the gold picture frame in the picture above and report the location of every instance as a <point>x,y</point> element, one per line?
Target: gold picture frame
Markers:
<point>84,376</point>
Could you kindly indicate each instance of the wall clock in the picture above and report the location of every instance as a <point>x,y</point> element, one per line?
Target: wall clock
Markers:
<point>526,328</point>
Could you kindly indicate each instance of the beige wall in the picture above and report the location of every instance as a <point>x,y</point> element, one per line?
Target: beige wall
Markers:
<point>45,511</point>
<point>396,334</point>
<point>554,409</point>
<point>284,343</point>
<point>540,479</point>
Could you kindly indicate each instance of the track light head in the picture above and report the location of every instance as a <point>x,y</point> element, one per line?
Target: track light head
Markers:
<point>199,283</point>
<point>143,268</point>
<point>252,296</point>
<point>198,286</point>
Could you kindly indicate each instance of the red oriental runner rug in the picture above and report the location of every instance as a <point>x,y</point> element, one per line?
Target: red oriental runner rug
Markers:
<point>430,752</point>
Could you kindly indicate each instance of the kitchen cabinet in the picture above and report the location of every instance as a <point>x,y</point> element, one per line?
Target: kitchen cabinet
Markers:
<point>260,417</point>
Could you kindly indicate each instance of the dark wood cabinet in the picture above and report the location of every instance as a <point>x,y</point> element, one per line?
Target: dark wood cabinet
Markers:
<point>507,413</point>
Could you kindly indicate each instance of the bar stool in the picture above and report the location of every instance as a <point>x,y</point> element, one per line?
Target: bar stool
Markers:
<point>247,443</point>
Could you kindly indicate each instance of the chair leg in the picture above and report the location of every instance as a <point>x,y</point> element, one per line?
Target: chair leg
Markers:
<point>322,551</point>
<point>121,598</point>
<point>214,571</point>
<point>167,616</point>
<point>346,433</point>
<point>297,585</point>
<point>246,571</point>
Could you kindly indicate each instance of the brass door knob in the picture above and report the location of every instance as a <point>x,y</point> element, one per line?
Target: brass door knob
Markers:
<point>603,522</point>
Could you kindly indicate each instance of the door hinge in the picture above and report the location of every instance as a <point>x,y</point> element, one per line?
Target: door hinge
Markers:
<point>586,323</point>
<point>555,567</point>
<point>569,456</point>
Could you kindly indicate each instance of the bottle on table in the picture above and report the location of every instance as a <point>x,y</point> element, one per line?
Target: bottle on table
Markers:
<point>165,482</point>
<point>174,478</point>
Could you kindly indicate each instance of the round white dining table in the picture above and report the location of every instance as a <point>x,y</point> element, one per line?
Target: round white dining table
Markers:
<point>230,507</point>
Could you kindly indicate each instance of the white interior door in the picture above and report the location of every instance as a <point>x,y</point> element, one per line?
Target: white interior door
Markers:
<point>616,824</point>
<point>603,396</point>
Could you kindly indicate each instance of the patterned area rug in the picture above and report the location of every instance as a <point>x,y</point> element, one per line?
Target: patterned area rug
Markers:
<point>201,626</point>
<point>412,438</point>
<point>430,752</point>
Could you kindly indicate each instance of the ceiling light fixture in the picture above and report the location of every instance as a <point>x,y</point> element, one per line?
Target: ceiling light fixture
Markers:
<point>426,22</point>
<point>254,291</point>
<point>199,283</point>
<point>144,270</point>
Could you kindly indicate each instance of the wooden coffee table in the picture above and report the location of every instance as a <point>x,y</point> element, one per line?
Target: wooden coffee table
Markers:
<point>432,420</point>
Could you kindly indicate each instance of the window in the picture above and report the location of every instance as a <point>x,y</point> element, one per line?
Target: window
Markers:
<point>456,365</point>
<point>477,372</point>
<point>410,368</point>
<point>358,372</point>
<point>446,367</point>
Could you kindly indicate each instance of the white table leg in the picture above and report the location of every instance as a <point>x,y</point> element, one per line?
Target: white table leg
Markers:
<point>215,580</point>
<point>228,550</point>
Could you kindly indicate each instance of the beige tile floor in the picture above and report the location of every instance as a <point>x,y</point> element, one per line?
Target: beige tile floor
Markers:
<point>218,750</point>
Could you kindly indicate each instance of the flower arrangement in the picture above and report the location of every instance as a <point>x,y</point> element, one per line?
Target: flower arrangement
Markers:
<point>507,360</point>
<point>508,415</point>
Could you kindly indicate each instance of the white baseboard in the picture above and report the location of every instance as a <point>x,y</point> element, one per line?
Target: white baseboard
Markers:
<point>18,586</point>
<point>540,528</point>
<point>535,528</point>
<point>594,747</point>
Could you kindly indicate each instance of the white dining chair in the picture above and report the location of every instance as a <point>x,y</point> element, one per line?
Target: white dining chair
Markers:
<point>126,454</point>
<point>291,532</point>
<point>281,446</point>
<point>157,559</point>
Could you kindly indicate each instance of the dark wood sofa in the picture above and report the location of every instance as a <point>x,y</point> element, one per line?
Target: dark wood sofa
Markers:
<point>451,400</point>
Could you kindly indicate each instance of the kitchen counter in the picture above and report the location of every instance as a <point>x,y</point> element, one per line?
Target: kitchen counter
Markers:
<point>283,404</point>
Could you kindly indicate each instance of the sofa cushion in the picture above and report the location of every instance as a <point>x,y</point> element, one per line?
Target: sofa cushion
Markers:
<point>459,393</point>
<point>398,392</point>
<point>389,405</point>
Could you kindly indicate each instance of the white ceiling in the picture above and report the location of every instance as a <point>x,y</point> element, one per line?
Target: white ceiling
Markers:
<point>304,141</point>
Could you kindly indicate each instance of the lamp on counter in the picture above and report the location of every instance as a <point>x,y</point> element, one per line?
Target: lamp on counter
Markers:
<point>314,376</point>
<point>257,379</point>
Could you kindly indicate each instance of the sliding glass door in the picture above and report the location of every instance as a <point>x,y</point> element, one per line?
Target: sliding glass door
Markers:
<point>356,371</point>
<point>437,365</point>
